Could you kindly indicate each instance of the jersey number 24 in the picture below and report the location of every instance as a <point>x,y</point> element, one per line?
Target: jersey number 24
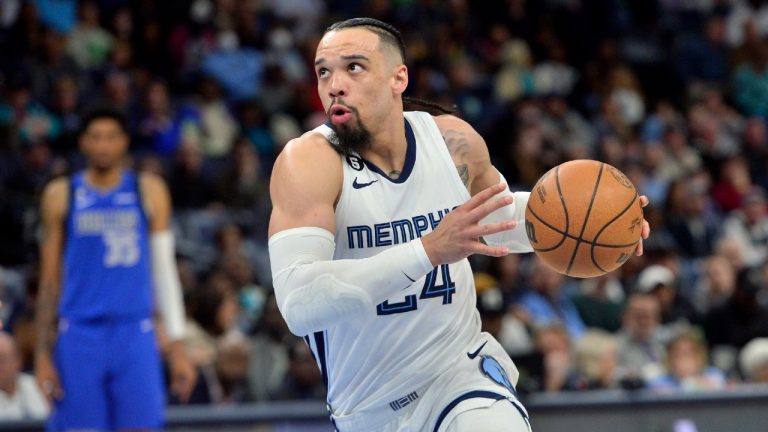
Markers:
<point>431,289</point>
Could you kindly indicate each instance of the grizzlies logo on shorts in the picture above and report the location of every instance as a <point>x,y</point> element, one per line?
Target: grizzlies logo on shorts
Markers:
<point>492,369</point>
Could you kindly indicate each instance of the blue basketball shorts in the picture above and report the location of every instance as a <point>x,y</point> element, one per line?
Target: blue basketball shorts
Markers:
<point>111,375</point>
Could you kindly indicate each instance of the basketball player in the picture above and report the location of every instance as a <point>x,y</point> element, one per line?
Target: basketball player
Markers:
<point>381,293</point>
<point>105,245</point>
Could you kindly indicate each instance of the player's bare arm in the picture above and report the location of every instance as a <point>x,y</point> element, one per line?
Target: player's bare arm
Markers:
<point>52,210</point>
<point>156,201</point>
<point>306,182</point>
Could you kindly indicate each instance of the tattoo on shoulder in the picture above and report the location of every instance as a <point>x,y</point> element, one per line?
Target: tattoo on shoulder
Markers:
<point>458,147</point>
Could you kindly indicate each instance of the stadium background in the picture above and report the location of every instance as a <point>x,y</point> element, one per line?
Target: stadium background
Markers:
<point>672,92</point>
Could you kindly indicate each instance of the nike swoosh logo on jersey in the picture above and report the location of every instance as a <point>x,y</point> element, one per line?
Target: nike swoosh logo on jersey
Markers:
<point>409,278</point>
<point>357,185</point>
<point>474,354</point>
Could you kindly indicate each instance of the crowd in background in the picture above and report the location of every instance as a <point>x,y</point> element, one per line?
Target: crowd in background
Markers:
<point>673,93</point>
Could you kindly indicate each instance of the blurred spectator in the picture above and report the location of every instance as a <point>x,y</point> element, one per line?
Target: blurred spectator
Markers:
<point>596,360</point>
<point>753,361</point>
<point>191,184</point>
<point>749,227</point>
<point>716,285</point>
<point>704,57</point>
<point>546,303</point>
<point>734,183</point>
<point>641,350</point>
<point>268,360</point>
<point>218,125</point>
<point>741,318</point>
<point>163,129</point>
<point>554,344</point>
<point>231,384</point>
<point>750,83</point>
<point>693,227</point>
<point>687,367</point>
<point>496,320</point>
<point>20,397</point>
<point>52,65</point>
<point>88,43</point>
<point>243,187</point>
<point>661,282</point>
<point>600,301</point>
<point>303,380</point>
<point>26,116</point>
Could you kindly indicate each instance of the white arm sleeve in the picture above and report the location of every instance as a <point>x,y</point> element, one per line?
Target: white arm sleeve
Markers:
<point>515,239</point>
<point>315,292</point>
<point>167,286</point>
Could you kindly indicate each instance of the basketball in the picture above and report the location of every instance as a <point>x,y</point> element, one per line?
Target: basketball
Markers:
<point>584,218</point>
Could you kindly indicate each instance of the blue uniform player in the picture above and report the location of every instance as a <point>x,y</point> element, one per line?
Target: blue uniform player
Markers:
<point>107,258</point>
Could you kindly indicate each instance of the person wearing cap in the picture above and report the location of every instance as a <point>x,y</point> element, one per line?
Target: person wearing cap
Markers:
<point>748,226</point>
<point>661,282</point>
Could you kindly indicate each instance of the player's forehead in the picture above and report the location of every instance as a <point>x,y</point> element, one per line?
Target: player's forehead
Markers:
<point>346,42</point>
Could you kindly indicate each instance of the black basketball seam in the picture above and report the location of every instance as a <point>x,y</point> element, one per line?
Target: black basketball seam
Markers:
<point>586,218</point>
<point>565,234</point>
<point>571,236</point>
<point>597,236</point>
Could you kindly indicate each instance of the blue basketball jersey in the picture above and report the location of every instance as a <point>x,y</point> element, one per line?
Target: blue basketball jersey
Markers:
<point>106,270</point>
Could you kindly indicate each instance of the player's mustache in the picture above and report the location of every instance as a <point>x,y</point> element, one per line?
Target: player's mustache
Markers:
<point>339,101</point>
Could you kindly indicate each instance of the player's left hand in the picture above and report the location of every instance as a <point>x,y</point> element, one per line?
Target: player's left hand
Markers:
<point>646,231</point>
<point>183,372</point>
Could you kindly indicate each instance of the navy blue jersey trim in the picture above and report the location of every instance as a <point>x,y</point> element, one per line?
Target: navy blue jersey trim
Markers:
<point>465,396</point>
<point>320,344</point>
<point>410,157</point>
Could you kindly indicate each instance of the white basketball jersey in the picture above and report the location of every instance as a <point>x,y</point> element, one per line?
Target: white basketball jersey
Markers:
<point>405,342</point>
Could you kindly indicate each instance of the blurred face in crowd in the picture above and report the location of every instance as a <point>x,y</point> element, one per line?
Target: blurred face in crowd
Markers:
<point>685,357</point>
<point>641,316</point>
<point>359,80</point>
<point>104,142</point>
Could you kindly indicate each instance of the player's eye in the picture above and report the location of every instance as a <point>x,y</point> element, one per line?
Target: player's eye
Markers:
<point>355,67</point>
<point>322,72</point>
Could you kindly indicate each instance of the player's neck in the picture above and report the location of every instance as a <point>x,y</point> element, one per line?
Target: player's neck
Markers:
<point>389,146</point>
<point>104,178</point>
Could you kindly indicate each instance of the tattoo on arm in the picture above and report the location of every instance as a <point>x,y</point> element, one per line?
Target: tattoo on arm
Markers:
<point>458,147</point>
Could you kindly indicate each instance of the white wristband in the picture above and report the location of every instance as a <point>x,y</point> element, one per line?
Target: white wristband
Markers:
<point>167,286</point>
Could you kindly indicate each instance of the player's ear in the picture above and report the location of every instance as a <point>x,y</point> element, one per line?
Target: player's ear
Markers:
<point>400,79</point>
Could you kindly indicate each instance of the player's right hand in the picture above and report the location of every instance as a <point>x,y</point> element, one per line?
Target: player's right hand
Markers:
<point>47,377</point>
<point>458,234</point>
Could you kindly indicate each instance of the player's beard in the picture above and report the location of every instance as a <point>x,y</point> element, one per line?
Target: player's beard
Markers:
<point>352,136</point>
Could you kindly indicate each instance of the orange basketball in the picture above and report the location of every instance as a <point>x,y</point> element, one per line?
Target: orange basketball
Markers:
<point>584,218</point>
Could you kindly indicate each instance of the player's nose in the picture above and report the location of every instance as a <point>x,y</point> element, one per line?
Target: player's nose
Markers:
<point>337,87</point>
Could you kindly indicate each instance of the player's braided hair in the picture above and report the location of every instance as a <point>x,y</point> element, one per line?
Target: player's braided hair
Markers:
<point>389,34</point>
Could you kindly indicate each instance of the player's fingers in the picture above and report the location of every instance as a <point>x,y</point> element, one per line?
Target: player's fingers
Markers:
<point>646,231</point>
<point>492,251</point>
<point>483,196</point>
<point>491,228</point>
<point>639,248</point>
<point>489,207</point>
<point>644,200</point>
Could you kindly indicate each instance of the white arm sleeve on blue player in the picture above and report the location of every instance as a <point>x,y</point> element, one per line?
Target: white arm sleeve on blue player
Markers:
<point>167,286</point>
<point>515,239</point>
<point>315,292</point>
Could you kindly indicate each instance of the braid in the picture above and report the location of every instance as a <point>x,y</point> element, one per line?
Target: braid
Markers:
<point>432,107</point>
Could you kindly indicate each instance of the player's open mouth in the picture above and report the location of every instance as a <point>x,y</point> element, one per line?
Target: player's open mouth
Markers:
<point>340,114</point>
